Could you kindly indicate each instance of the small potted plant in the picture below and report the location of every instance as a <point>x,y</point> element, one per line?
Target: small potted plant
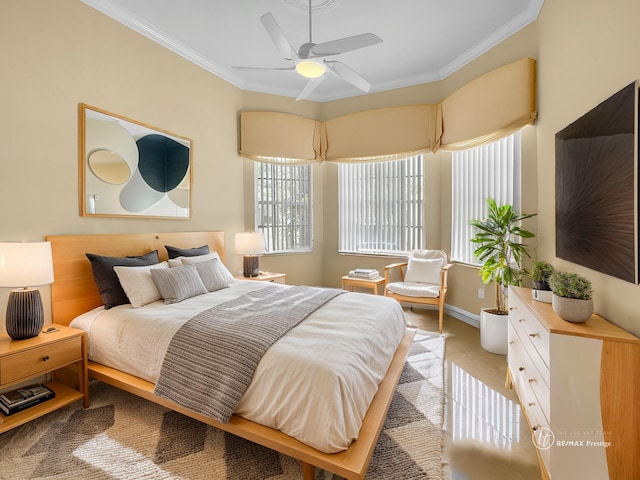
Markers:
<point>539,275</point>
<point>571,296</point>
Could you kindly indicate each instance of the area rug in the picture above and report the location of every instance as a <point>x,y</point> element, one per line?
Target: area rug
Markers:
<point>124,437</point>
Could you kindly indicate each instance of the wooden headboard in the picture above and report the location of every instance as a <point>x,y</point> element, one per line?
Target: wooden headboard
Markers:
<point>74,291</point>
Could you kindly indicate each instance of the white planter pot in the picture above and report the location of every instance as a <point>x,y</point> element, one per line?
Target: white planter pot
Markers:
<point>572,309</point>
<point>542,295</point>
<point>493,332</point>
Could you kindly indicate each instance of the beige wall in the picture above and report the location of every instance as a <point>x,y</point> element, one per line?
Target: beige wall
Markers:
<point>588,51</point>
<point>58,54</point>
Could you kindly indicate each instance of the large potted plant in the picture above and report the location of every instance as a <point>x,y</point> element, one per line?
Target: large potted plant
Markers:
<point>539,274</point>
<point>571,296</point>
<point>500,252</point>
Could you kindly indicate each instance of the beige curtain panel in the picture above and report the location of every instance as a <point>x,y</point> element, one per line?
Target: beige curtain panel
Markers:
<point>488,108</point>
<point>281,138</point>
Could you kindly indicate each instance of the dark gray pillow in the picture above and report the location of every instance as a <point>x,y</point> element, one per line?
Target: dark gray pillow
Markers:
<point>106,279</point>
<point>175,252</point>
<point>178,283</point>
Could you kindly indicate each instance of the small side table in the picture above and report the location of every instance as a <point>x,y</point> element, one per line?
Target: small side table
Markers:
<point>373,283</point>
<point>62,354</point>
<point>267,277</point>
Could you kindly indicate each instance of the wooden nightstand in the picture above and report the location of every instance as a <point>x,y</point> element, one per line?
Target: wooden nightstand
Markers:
<point>373,283</point>
<point>267,277</point>
<point>63,354</point>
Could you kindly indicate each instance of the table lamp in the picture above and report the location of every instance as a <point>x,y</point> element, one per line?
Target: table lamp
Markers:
<point>25,265</point>
<point>250,244</point>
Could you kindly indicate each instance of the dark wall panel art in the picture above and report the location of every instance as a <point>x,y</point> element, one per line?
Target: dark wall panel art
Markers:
<point>596,184</point>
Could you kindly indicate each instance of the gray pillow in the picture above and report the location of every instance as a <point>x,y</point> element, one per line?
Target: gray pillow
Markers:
<point>178,283</point>
<point>213,274</point>
<point>175,252</point>
<point>106,279</point>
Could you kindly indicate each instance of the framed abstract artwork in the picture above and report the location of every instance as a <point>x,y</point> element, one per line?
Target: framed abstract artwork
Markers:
<point>128,168</point>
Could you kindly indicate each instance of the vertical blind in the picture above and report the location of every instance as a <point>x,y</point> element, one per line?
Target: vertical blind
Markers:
<point>381,206</point>
<point>491,171</point>
<point>283,206</point>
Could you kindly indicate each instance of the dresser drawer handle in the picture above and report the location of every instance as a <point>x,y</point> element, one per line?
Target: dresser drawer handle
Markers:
<point>536,427</point>
<point>521,320</point>
<point>531,380</point>
<point>512,342</point>
<point>531,404</point>
<point>521,369</point>
<point>46,358</point>
<point>533,335</point>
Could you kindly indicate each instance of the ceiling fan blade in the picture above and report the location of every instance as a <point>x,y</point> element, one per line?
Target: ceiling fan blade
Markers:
<point>265,68</point>
<point>342,45</point>
<point>309,88</point>
<point>348,75</point>
<point>277,36</point>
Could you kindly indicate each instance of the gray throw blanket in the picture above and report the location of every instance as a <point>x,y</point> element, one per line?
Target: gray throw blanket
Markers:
<point>211,359</point>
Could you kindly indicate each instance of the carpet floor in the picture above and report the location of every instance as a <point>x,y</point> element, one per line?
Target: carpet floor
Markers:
<point>124,437</point>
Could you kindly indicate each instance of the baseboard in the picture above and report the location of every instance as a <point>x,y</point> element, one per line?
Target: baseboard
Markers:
<point>462,315</point>
<point>455,312</point>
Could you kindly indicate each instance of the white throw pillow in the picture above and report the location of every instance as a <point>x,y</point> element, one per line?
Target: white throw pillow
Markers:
<point>424,270</point>
<point>213,274</point>
<point>226,274</point>
<point>138,284</point>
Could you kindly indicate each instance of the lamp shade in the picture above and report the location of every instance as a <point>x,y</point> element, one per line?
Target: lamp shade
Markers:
<point>25,264</point>
<point>250,243</point>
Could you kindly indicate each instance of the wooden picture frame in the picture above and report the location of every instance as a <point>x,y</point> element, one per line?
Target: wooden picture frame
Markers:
<point>129,168</point>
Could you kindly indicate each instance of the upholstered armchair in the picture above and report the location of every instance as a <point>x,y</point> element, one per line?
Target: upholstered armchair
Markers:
<point>422,279</point>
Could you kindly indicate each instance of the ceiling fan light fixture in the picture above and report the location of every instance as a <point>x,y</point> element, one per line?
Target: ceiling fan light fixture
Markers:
<point>310,69</point>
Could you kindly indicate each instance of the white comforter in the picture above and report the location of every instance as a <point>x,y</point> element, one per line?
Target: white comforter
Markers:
<point>314,384</point>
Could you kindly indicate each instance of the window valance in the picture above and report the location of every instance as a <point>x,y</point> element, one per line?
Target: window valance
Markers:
<point>488,108</point>
<point>385,132</point>
<point>274,137</point>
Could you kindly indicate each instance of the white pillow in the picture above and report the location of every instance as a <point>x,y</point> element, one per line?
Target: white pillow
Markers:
<point>138,284</point>
<point>226,274</point>
<point>424,270</point>
<point>179,283</point>
<point>177,262</point>
<point>213,274</point>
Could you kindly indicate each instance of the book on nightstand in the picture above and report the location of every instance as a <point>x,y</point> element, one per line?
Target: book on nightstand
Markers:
<point>368,273</point>
<point>23,398</point>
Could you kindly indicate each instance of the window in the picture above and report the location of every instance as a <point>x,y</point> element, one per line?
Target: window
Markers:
<point>283,206</point>
<point>381,206</point>
<point>490,171</point>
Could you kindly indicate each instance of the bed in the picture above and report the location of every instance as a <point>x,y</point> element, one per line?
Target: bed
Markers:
<point>75,296</point>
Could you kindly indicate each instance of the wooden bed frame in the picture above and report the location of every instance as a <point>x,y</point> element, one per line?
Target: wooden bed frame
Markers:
<point>74,292</point>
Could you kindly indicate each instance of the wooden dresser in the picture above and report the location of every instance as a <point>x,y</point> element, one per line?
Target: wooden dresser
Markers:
<point>579,387</point>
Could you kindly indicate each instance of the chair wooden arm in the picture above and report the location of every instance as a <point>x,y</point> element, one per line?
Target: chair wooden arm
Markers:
<point>396,265</point>
<point>393,266</point>
<point>444,273</point>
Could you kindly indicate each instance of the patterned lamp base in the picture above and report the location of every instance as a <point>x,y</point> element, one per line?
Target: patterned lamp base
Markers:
<point>25,315</point>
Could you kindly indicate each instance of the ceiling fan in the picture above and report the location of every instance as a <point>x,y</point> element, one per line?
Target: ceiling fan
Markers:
<point>310,59</point>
